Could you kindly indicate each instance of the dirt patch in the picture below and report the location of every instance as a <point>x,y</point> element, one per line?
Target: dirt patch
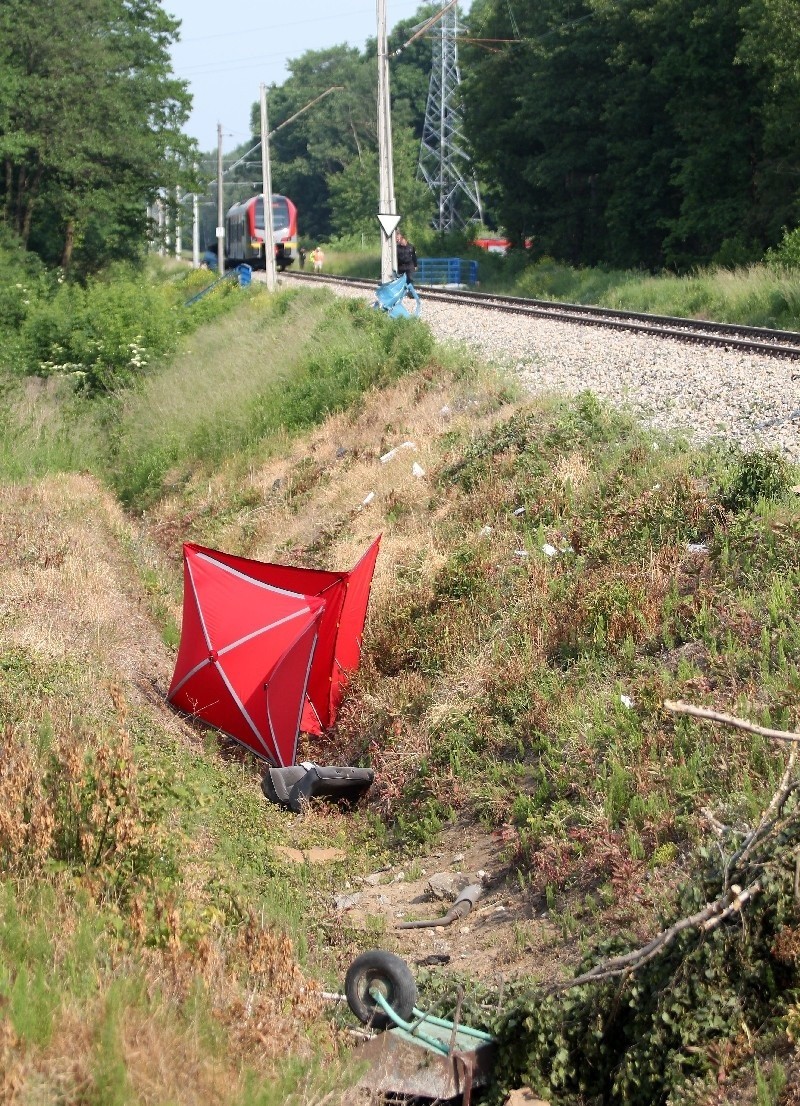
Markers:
<point>503,937</point>
<point>314,855</point>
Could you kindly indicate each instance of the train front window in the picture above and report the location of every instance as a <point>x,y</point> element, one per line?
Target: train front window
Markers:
<point>280,214</point>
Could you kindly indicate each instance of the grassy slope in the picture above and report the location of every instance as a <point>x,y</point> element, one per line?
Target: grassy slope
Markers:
<point>491,690</point>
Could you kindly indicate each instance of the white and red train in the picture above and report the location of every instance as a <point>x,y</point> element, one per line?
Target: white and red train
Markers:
<point>244,231</point>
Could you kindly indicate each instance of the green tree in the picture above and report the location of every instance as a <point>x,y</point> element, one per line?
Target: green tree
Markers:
<point>654,132</point>
<point>770,50</point>
<point>354,191</point>
<point>326,160</point>
<point>92,121</point>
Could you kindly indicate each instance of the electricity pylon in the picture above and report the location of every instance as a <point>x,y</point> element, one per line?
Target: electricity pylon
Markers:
<point>444,164</point>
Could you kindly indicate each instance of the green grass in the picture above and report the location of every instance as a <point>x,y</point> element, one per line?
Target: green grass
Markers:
<point>274,367</point>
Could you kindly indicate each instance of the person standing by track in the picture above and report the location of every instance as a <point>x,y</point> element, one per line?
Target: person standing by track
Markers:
<point>318,257</point>
<point>406,258</point>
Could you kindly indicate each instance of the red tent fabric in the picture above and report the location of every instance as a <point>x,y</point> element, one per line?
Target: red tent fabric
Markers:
<point>339,600</point>
<point>245,654</point>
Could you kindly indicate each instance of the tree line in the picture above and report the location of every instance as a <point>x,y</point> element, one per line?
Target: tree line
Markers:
<point>327,159</point>
<point>91,121</point>
<point>640,132</point>
<point>636,133</point>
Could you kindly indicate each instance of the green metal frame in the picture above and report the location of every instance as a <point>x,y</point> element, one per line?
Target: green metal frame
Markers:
<point>421,1018</point>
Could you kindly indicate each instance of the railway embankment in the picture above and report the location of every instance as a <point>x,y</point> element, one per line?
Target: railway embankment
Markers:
<point>552,569</point>
<point>711,393</point>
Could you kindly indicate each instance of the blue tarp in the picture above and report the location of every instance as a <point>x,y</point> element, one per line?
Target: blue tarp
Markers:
<point>390,297</point>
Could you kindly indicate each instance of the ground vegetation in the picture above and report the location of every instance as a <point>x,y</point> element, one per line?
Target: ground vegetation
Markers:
<point>556,574</point>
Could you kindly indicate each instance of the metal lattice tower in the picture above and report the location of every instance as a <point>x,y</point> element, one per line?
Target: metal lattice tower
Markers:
<point>443,163</point>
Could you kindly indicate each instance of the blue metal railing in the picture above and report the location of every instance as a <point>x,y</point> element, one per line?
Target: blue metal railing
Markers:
<point>446,270</point>
<point>242,272</point>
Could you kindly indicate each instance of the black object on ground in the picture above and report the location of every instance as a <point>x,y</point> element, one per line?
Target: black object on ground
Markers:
<point>386,973</point>
<point>291,787</point>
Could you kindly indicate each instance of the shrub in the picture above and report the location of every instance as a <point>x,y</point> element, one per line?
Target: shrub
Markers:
<point>786,254</point>
<point>103,334</point>
<point>23,282</point>
<point>755,476</point>
<point>74,801</point>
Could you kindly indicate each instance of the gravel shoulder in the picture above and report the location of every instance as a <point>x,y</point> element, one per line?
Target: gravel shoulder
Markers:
<point>708,393</point>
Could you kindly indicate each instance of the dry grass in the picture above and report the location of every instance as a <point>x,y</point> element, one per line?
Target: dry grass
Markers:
<point>77,646</point>
<point>66,590</point>
<point>327,522</point>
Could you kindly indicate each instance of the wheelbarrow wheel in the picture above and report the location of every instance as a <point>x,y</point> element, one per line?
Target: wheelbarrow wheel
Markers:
<point>387,974</point>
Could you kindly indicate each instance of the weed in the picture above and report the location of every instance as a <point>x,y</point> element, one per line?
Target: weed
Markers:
<point>756,476</point>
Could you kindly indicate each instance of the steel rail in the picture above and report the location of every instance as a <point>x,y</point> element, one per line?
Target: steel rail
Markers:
<point>747,339</point>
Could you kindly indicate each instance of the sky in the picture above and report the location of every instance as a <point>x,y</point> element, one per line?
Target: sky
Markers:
<point>227,50</point>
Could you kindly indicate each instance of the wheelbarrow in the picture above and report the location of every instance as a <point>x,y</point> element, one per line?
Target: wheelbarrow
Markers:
<point>390,296</point>
<point>415,1053</point>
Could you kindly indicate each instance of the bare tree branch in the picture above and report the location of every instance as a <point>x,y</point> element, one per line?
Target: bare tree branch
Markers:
<point>729,720</point>
<point>733,898</point>
<point>706,920</point>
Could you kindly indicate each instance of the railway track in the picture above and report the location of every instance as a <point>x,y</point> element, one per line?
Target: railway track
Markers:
<point>746,339</point>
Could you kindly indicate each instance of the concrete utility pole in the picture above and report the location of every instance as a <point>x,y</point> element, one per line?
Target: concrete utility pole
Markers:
<point>387,204</point>
<point>178,222</point>
<point>266,180</point>
<point>220,207</point>
<point>195,229</point>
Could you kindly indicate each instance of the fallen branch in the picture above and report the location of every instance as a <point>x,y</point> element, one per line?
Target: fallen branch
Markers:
<point>785,789</point>
<point>706,920</point>
<point>729,720</point>
<point>733,898</point>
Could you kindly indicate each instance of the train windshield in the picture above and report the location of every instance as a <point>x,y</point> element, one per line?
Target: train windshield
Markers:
<point>280,213</point>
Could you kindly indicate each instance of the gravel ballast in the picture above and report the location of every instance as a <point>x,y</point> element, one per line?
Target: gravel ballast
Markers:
<point>707,392</point>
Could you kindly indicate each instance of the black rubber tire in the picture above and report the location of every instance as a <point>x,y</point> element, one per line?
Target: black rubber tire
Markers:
<point>391,975</point>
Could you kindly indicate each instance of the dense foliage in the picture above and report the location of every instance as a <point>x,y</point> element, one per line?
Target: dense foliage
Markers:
<point>326,159</point>
<point>90,124</point>
<point>641,134</point>
<point>102,333</point>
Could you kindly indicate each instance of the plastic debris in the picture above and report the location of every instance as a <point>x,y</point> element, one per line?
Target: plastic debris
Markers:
<point>519,511</point>
<point>485,531</point>
<point>626,701</point>
<point>365,502</point>
<point>393,452</point>
<point>460,908</point>
<point>549,550</point>
<point>522,553</point>
<point>697,547</point>
<point>417,470</point>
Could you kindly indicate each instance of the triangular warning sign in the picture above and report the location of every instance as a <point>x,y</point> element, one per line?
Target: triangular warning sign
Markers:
<point>388,222</point>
